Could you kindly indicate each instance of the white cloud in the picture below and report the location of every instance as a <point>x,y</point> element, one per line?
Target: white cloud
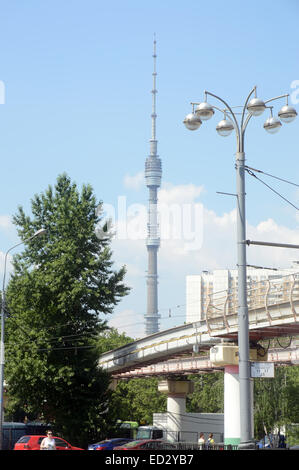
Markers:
<point>271,231</point>
<point>9,267</point>
<point>7,235</point>
<point>6,222</point>
<point>128,322</point>
<point>177,257</point>
<point>180,194</point>
<point>134,182</point>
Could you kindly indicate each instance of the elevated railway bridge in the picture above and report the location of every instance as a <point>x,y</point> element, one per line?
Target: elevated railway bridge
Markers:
<point>273,313</point>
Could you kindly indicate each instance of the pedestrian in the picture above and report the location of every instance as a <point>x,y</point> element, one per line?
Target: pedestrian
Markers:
<point>211,441</point>
<point>281,441</point>
<point>201,440</point>
<point>48,443</point>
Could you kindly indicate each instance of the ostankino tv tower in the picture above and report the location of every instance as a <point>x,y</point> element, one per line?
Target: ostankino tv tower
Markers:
<point>153,174</point>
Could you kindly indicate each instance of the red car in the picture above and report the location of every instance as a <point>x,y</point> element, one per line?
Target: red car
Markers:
<point>146,444</point>
<point>33,443</point>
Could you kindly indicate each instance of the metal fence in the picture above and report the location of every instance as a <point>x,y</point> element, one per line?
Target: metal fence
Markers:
<point>192,446</point>
<point>186,446</point>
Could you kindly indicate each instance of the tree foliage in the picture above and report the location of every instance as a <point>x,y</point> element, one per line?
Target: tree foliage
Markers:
<point>62,287</point>
<point>112,339</point>
<point>137,400</point>
<point>208,393</point>
<point>132,399</point>
<point>276,400</point>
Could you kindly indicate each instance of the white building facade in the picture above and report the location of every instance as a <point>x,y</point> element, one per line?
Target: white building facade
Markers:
<point>199,287</point>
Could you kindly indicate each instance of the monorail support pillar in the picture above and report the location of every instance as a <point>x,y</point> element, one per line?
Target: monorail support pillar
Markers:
<point>226,355</point>
<point>176,391</point>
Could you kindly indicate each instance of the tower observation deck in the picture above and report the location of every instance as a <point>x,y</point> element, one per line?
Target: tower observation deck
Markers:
<point>153,175</point>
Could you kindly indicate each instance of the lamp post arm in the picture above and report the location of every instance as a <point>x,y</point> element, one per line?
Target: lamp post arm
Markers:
<point>230,110</point>
<point>244,125</point>
<point>223,111</point>
<point>277,98</point>
<point>232,121</point>
<point>245,105</point>
<point>5,261</point>
<point>38,233</point>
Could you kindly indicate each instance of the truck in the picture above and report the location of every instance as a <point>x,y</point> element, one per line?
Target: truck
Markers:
<point>127,429</point>
<point>149,432</point>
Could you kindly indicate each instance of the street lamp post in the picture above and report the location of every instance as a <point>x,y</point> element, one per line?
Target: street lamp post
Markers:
<point>2,354</point>
<point>253,107</point>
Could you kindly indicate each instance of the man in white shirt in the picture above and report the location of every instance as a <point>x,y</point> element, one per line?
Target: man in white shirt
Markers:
<point>48,443</point>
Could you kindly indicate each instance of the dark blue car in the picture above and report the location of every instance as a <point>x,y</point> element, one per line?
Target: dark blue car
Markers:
<point>109,444</point>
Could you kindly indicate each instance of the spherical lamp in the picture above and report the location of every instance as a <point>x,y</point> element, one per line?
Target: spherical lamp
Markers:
<point>272,125</point>
<point>287,113</point>
<point>256,107</point>
<point>192,122</point>
<point>205,111</point>
<point>224,128</point>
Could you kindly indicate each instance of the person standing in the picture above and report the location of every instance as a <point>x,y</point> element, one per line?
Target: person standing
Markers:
<point>201,441</point>
<point>211,441</point>
<point>48,443</point>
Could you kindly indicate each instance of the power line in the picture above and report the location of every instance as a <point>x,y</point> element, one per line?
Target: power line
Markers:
<point>276,192</point>
<point>272,176</point>
<point>67,348</point>
<point>198,419</point>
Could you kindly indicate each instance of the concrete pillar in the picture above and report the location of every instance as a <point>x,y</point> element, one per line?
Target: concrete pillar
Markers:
<point>226,355</point>
<point>176,408</point>
<point>176,391</point>
<point>231,405</point>
<point>232,431</point>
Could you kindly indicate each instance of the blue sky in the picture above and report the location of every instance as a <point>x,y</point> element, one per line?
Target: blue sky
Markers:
<point>77,78</point>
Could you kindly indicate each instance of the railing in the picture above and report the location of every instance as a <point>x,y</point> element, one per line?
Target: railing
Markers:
<point>187,446</point>
<point>193,446</point>
<point>272,303</point>
<point>267,300</point>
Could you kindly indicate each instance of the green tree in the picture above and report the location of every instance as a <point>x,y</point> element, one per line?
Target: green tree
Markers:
<point>112,339</point>
<point>62,287</point>
<point>276,400</point>
<point>208,394</point>
<point>130,399</point>
<point>137,400</point>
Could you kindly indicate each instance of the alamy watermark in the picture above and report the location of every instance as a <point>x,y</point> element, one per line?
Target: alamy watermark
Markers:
<point>294,96</point>
<point>2,92</point>
<point>176,222</point>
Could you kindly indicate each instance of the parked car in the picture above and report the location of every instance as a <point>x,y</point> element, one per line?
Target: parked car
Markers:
<point>33,443</point>
<point>12,431</point>
<point>109,444</point>
<point>147,444</point>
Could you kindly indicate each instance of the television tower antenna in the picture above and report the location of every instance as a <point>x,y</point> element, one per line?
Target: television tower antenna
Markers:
<point>153,174</point>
